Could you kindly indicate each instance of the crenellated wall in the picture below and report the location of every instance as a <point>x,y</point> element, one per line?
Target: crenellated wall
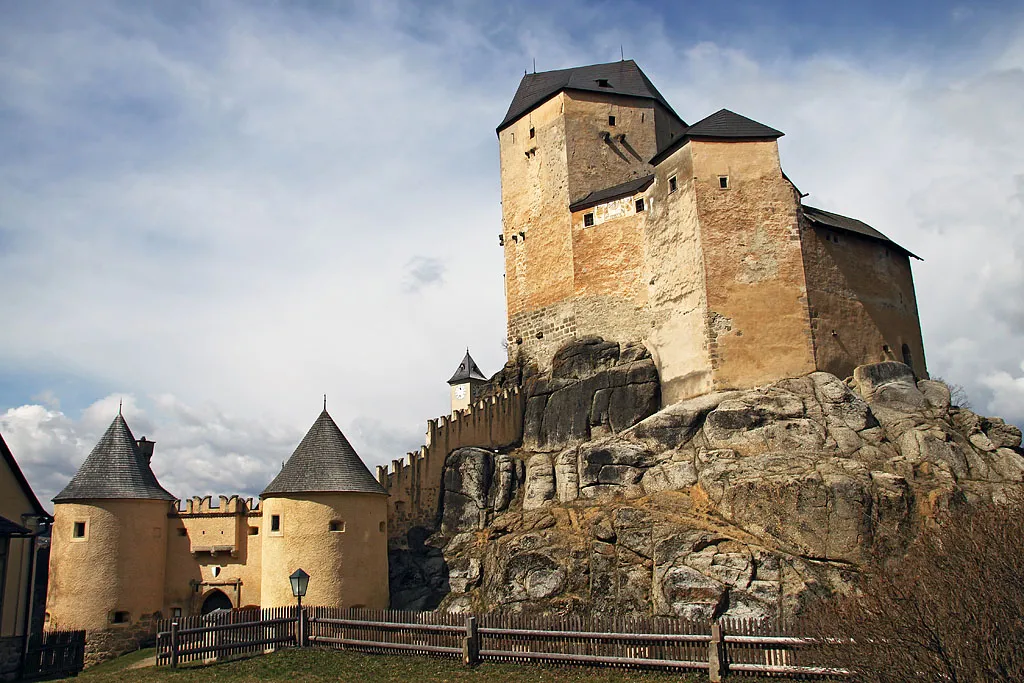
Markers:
<point>414,484</point>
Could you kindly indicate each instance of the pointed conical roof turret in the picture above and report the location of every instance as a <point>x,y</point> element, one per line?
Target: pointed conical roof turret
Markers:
<point>115,468</point>
<point>467,371</point>
<point>324,462</point>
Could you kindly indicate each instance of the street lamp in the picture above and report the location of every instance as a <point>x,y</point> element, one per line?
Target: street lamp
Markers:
<point>300,580</point>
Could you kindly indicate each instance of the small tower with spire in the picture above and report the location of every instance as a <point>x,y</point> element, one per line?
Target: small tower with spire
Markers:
<point>466,383</point>
<point>109,546</point>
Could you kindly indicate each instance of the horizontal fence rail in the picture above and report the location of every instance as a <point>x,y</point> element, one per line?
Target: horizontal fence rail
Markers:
<point>727,646</point>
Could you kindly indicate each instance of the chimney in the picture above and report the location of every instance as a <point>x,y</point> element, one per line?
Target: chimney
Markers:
<point>146,448</point>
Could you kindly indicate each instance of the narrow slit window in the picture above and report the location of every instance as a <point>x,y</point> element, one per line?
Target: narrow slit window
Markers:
<point>640,205</point>
<point>588,220</point>
<point>79,531</point>
<point>672,185</point>
<point>723,182</point>
<point>611,120</point>
<point>533,132</point>
<point>383,526</point>
<point>275,522</point>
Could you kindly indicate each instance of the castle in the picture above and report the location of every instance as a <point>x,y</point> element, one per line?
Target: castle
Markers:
<point>620,221</point>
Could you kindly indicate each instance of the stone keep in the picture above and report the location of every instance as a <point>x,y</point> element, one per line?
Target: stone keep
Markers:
<point>622,221</point>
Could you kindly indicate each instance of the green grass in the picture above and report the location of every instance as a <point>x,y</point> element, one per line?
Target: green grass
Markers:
<point>330,665</point>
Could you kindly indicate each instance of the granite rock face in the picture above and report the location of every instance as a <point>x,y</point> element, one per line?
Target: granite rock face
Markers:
<point>746,503</point>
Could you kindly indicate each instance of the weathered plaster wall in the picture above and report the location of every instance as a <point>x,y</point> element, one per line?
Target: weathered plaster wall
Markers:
<point>348,568</point>
<point>118,566</point>
<point>218,551</point>
<point>757,314</point>
<point>600,155</point>
<point>675,278</point>
<point>861,295</point>
<point>414,485</point>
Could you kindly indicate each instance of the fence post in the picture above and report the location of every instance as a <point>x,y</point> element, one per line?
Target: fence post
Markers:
<point>174,645</point>
<point>471,643</point>
<point>715,659</point>
<point>303,628</point>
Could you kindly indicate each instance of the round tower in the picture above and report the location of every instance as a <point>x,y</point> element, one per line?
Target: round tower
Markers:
<point>326,514</point>
<point>108,545</point>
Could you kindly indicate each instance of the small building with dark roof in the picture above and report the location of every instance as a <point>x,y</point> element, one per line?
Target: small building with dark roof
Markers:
<point>622,221</point>
<point>466,383</point>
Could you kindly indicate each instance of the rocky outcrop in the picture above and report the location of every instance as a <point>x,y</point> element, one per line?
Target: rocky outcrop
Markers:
<point>745,503</point>
<point>595,388</point>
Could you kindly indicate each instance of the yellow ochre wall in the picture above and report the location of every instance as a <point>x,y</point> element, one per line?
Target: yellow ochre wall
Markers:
<point>190,575</point>
<point>347,568</point>
<point>118,566</point>
<point>758,322</point>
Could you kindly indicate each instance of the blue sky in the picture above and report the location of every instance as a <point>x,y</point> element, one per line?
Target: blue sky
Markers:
<point>220,211</point>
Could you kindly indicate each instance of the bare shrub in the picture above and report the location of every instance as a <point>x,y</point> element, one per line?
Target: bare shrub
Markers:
<point>951,610</point>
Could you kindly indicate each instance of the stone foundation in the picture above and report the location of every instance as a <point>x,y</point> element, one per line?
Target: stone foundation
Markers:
<point>10,657</point>
<point>101,645</point>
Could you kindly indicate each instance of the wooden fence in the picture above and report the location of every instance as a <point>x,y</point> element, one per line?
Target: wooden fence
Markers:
<point>54,653</point>
<point>740,647</point>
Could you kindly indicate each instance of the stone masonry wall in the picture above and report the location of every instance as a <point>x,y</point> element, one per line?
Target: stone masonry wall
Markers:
<point>10,657</point>
<point>414,485</point>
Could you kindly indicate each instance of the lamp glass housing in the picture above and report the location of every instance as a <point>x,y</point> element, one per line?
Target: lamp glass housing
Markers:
<point>300,581</point>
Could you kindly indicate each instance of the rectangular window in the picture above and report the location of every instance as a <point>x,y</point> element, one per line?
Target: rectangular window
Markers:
<point>723,182</point>
<point>120,618</point>
<point>588,220</point>
<point>611,120</point>
<point>672,186</point>
<point>533,132</point>
<point>383,526</point>
<point>79,531</point>
<point>337,526</point>
<point>640,205</point>
<point>254,531</point>
<point>176,612</point>
<point>275,522</point>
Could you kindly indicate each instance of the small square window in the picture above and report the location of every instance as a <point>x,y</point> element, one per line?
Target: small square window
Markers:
<point>176,612</point>
<point>79,531</point>
<point>611,120</point>
<point>672,186</point>
<point>533,132</point>
<point>182,531</point>
<point>254,531</point>
<point>588,220</point>
<point>640,205</point>
<point>275,522</point>
<point>336,526</point>
<point>120,618</point>
<point>603,83</point>
<point>723,182</point>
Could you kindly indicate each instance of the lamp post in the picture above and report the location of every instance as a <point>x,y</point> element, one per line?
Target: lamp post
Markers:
<point>300,581</point>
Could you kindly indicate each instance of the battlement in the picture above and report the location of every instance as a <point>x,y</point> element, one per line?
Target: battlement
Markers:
<point>414,483</point>
<point>226,506</point>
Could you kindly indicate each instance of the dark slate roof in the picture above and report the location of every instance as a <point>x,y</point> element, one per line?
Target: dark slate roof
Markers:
<point>324,462</point>
<point>621,190</point>
<point>9,529</point>
<point>468,370</point>
<point>19,477</point>
<point>722,125</point>
<point>827,219</point>
<point>116,468</point>
<point>623,78</point>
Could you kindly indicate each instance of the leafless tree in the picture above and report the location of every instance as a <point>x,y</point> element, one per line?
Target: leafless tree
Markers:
<point>951,610</point>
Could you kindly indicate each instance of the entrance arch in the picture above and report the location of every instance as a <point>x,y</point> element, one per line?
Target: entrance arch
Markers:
<point>216,600</point>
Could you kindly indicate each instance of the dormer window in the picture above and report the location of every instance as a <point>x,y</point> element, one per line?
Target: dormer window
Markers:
<point>588,220</point>
<point>603,83</point>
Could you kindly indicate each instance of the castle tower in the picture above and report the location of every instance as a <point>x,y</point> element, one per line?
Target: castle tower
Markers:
<point>109,546</point>
<point>326,514</point>
<point>466,383</point>
<point>570,137</point>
